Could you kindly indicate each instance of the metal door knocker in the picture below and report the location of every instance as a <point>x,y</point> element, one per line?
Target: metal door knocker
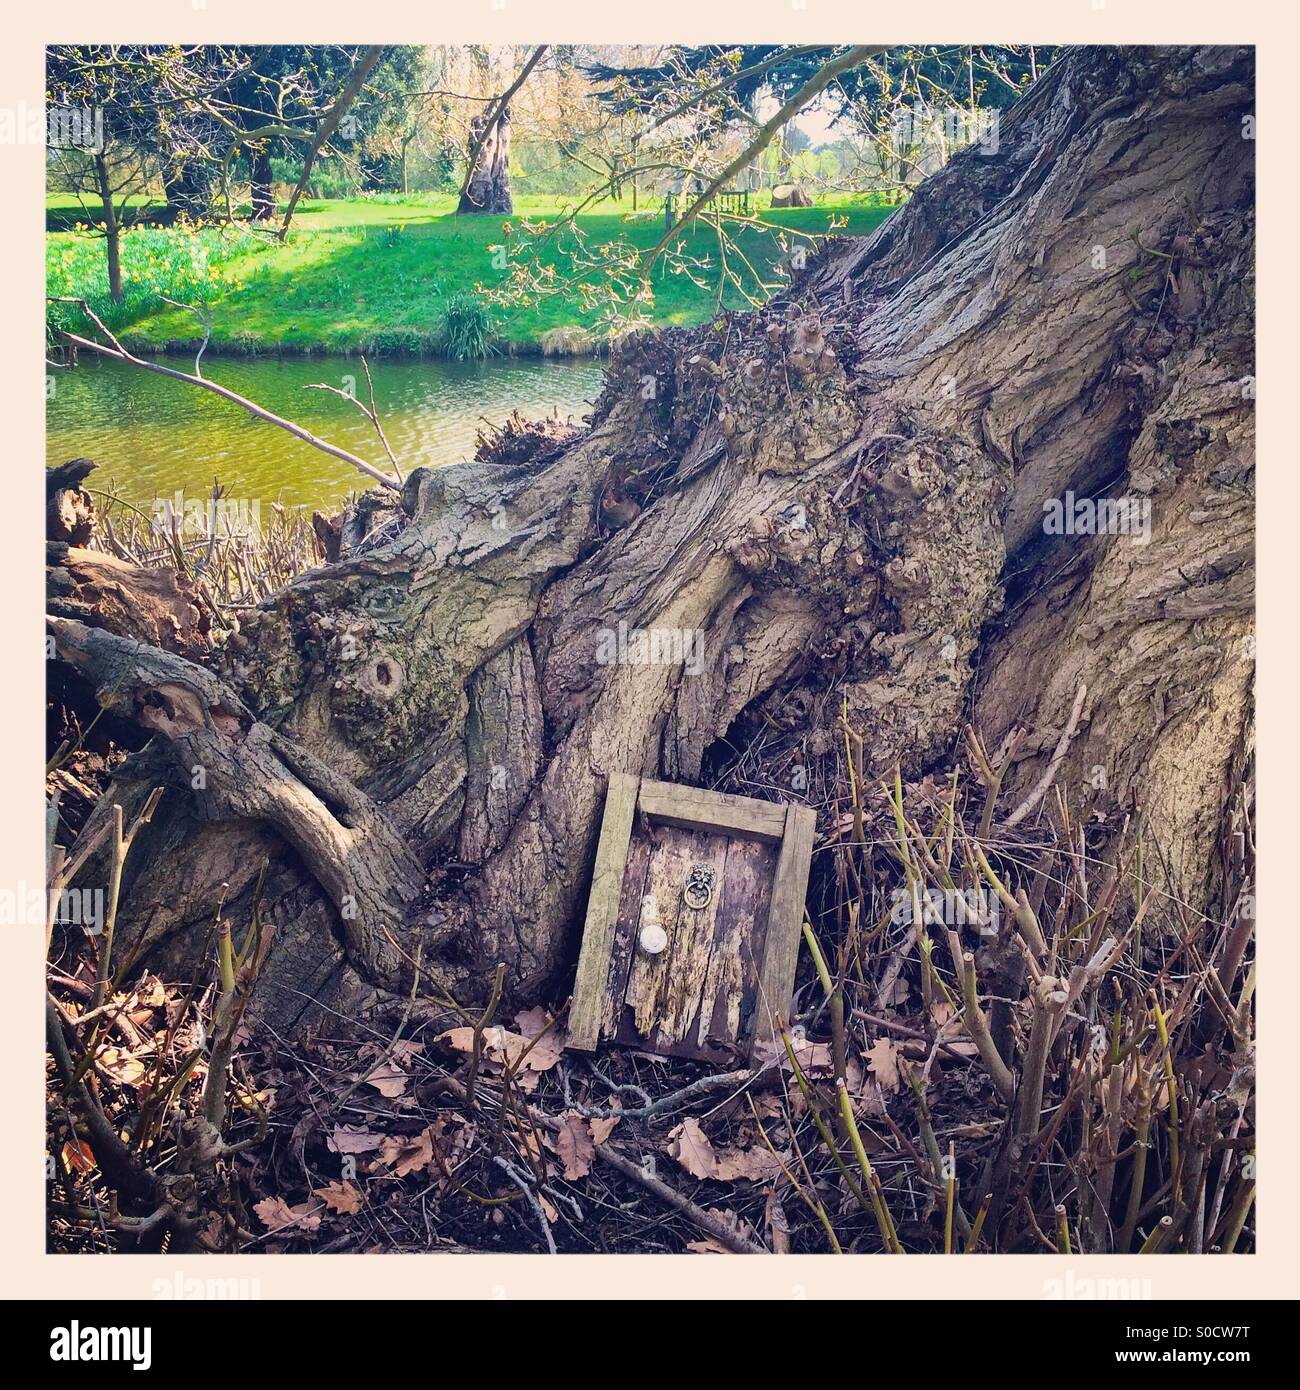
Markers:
<point>700,883</point>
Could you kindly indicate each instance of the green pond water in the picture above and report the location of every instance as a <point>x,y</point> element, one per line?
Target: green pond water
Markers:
<point>153,437</point>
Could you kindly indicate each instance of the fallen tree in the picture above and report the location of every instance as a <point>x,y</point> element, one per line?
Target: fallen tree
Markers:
<point>834,506</point>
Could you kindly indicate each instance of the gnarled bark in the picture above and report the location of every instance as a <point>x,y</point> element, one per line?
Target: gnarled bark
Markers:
<point>838,500</point>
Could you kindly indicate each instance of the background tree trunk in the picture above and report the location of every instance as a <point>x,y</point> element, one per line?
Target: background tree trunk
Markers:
<point>112,230</point>
<point>488,189</point>
<point>843,496</point>
<point>262,189</point>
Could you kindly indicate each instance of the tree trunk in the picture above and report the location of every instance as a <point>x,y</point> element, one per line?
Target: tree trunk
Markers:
<point>262,191</point>
<point>488,189</point>
<point>112,230</point>
<point>838,502</point>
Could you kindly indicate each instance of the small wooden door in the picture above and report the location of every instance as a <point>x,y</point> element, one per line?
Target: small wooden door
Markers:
<point>723,878</point>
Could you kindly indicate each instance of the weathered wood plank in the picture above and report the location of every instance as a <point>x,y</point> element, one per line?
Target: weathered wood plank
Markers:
<point>693,946</point>
<point>602,911</point>
<point>647,981</point>
<point>625,929</point>
<point>737,943</point>
<point>689,806</point>
<point>785,921</point>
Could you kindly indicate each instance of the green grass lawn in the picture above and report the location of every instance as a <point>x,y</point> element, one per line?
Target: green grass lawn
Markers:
<point>374,275</point>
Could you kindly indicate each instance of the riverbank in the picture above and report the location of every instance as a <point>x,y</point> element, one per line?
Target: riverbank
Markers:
<point>376,276</point>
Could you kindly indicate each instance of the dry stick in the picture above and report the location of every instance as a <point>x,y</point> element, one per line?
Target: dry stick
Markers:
<point>1049,999</point>
<point>1063,1230</point>
<point>813,1204</point>
<point>122,355</point>
<point>835,1000</point>
<point>1171,1082</point>
<point>931,1143</point>
<point>121,846</point>
<point>785,55</point>
<point>1237,1217</point>
<point>1152,1244</point>
<point>1113,1130</point>
<point>819,1122</point>
<point>237,981</point>
<point>1225,1171</point>
<point>520,1180</point>
<point>370,413</point>
<point>978,1224</point>
<point>712,1225</point>
<point>118,1165</point>
<point>1045,781</point>
<point>992,780</point>
<point>480,1024</point>
<point>888,1232</point>
<point>951,1201</point>
<point>977,1026</point>
<point>397,1033</point>
<point>702,1086</point>
<point>1023,914</point>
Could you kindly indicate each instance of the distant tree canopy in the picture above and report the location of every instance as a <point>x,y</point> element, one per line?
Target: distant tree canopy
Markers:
<point>193,116</point>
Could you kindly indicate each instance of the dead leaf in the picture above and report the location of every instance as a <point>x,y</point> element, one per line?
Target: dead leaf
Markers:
<point>499,1044</point>
<point>746,1165</point>
<point>79,1157</point>
<point>545,1052</point>
<point>690,1146</point>
<point>882,1060</point>
<point>352,1139</point>
<point>502,1048</point>
<point>122,1066</point>
<point>574,1145</point>
<point>341,1197</point>
<point>152,994</point>
<point>409,1154</point>
<point>388,1080</point>
<point>811,1056</point>
<point>778,1226</point>
<point>601,1128</point>
<point>277,1215</point>
<point>532,1021</point>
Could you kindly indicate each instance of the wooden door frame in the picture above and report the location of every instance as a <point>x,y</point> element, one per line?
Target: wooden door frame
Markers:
<point>791,826</point>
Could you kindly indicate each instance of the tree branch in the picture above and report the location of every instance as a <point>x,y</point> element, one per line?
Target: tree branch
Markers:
<point>817,83</point>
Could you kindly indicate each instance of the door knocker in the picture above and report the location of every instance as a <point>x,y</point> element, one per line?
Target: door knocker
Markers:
<point>700,883</point>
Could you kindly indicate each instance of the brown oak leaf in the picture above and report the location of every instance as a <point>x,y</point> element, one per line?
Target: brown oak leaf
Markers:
<point>574,1145</point>
<point>341,1197</point>
<point>690,1146</point>
<point>277,1215</point>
